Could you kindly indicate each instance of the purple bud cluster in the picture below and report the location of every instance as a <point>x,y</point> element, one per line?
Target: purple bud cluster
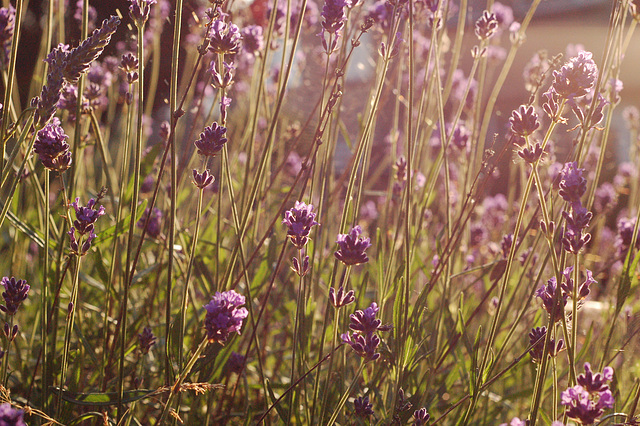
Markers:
<point>364,325</point>
<point>211,140</point>
<point>11,416</point>
<point>587,400</point>
<point>224,38</point>
<point>362,408</point>
<point>154,227</point>
<point>333,17</point>
<point>15,292</point>
<point>536,339</point>
<point>7,27</point>
<point>225,315</point>
<point>340,298</point>
<point>139,11</point>
<point>86,217</point>
<point>52,147</point>
<point>572,188</point>
<point>421,417</point>
<point>486,25</point>
<point>299,221</point>
<point>352,247</point>
<point>547,293</point>
<point>146,340</point>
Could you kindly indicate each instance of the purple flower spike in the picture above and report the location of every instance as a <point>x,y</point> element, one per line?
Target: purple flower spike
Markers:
<point>421,417</point>
<point>224,38</point>
<point>252,40</point>
<point>211,140</point>
<point>486,25</point>
<point>572,184</point>
<point>364,340</point>
<point>576,77</point>
<point>299,221</point>
<point>86,216</point>
<point>352,247</point>
<point>202,180</point>
<point>340,298</point>
<point>129,64</point>
<point>11,416</point>
<point>15,292</point>
<point>524,120</point>
<point>536,338</point>
<point>362,407</point>
<point>146,340</point>
<point>7,27</point>
<point>546,293</point>
<point>154,227</point>
<point>224,316</point>
<point>587,401</point>
<point>235,363</point>
<point>52,147</point>
<point>139,10</point>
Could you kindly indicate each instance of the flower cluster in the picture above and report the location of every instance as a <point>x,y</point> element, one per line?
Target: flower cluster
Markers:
<point>139,11</point>
<point>352,247</point>
<point>211,140</point>
<point>146,340</point>
<point>486,25</point>
<point>15,292</point>
<point>299,221</point>
<point>364,325</point>
<point>235,363</point>
<point>154,227</point>
<point>340,298</point>
<point>524,120</point>
<point>52,147</point>
<point>421,417</point>
<point>224,38</point>
<point>202,180</point>
<point>536,339</point>
<point>333,18</point>
<point>224,316</point>
<point>362,408</point>
<point>86,217</point>
<point>7,27</point>
<point>547,293</point>
<point>587,400</point>
<point>11,416</point>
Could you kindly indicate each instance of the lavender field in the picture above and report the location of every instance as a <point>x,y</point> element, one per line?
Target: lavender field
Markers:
<point>351,212</point>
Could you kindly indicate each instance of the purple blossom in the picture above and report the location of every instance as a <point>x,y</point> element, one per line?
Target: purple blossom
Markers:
<point>224,38</point>
<point>146,340</point>
<point>364,325</point>
<point>252,39</point>
<point>572,184</point>
<point>87,216</point>
<point>547,294</point>
<point>606,197</point>
<point>235,363</point>
<point>536,338</point>
<point>352,247</point>
<point>574,239</point>
<point>625,235</point>
<point>224,316</point>
<point>52,147</point>
<point>516,422</point>
<point>129,64</point>
<point>211,140</point>
<point>531,154</point>
<point>576,77</point>
<point>587,400</point>
<point>139,10</point>
<point>340,298</point>
<point>154,228</point>
<point>524,120</point>
<point>7,27</point>
<point>15,292</point>
<point>77,248</point>
<point>486,25</point>
<point>10,416</point>
<point>299,221</point>
<point>362,408</point>
<point>421,417</point>
<point>202,180</point>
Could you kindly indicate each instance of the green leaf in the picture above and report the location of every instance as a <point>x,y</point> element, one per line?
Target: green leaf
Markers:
<point>281,411</point>
<point>627,277</point>
<point>87,416</point>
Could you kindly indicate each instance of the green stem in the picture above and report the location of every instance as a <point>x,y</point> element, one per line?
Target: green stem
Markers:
<point>345,396</point>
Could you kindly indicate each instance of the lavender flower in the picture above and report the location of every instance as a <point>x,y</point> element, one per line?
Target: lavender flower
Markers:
<point>224,38</point>
<point>421,417</point>
<point>129,64</point>
<point>47,102</point>
<point>574,239</point>
<point>15,292</point>
<point>587,400</point>
<point>341,298</point>
<point>531,154</point>
<point>625,235</point>
<point>536,338</point>
<point>364,325</point>
<point>524,120</point>
<point>10,416</point>
<point>154,228</point>
<point>87,216</point>
<point>352,247</point>
<point>211,140</point>
<point>77,248</point>
<point>146,340</point>
<point>252,40</point>
<point>576,77</point>
<point>546,293</point>
<point>606,197</point>
<point>139,11</point>
<point>224,316</point>
<point>52,147</point>
<point>572,184</point>
<point>486,25</point>
<point>7,27</point>
<point>362,408</point>
<point>235,363</point>
<point>299,221</point>
<point>202,180</point>
<point>78,60</point>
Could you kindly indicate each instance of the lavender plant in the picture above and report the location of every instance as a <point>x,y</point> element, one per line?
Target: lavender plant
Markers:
<point>480,213</point>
